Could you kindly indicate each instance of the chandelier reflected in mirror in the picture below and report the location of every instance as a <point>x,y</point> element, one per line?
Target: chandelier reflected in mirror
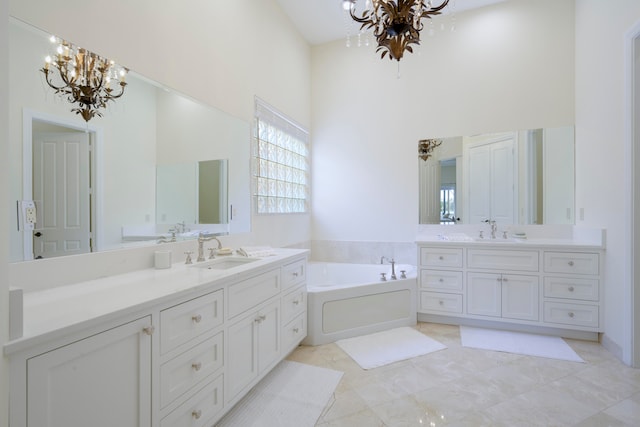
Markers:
<point>396,24</point>
<point>84,78</point>
<point>426,147</point>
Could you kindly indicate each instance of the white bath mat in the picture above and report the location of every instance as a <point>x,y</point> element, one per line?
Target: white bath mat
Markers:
<point>382,348</point>
<point>292,395</point>
<point>518,342</point>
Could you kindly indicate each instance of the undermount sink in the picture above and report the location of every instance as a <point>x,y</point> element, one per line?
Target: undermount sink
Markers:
<point>224,263</point>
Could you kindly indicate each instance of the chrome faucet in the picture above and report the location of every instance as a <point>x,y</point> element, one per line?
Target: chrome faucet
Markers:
<point>201,240</point>
<point>165,240</point>
<point>393,266</point>
<point>494,227</point>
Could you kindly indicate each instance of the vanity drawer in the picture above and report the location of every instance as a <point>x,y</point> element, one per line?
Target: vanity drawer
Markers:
<point>294,303</point>
<point>294,332</point>
<point>441,279</point>
<point>571,288</point>
<point>569,262</point>
<point>440,257</point>
<point>182,372</point>
<point>571,314</point>
<point>502,260</point>
<point>440,302</point>
<point>252,292</point>
<point>200,410</point>
<point>294,273</point>
<point>185,321</point>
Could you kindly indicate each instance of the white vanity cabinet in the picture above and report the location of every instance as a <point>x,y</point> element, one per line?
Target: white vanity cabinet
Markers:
<point>103,380</point>
<point>535,286</point>
<point>171,348</point>
<point>253,346</point>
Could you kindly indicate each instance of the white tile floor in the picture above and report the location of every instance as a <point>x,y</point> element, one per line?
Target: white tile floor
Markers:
<point>462,386</point>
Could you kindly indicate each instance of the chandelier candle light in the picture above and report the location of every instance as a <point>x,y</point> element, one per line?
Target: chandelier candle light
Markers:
<point>83,77</point>
<point>396,24</point>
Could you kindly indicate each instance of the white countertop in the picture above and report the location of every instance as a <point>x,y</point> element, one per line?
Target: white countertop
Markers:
<point>59,311</point>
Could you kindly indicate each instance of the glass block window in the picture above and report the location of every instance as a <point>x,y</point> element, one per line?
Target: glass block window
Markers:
<point>280,163</point>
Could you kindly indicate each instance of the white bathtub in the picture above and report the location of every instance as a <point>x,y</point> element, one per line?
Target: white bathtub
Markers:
<point>347,300</point>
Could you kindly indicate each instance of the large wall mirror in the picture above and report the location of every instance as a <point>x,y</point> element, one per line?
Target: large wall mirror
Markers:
<point>113,187</point>
<point>519,177</point>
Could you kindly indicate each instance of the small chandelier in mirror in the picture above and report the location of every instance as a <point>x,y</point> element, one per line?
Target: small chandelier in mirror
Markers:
<point>83,77</point>
<point>396,24</point>
<point>426,147</point>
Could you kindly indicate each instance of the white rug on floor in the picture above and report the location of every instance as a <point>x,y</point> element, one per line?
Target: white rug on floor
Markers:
<point>519,343</point>
<point>382,348</point>
<point>292,395</point>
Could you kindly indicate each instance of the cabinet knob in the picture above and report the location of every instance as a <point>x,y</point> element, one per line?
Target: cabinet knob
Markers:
<point>196,414</point>
<point>571,288</point>
<point>197,318</point>
<point>295,330</point>
<point>441,280</point>
<point>571,314</point>
<point>504,279</point>
<point>149,330</point>
<point>570,263</point>
<point>196,366</point>
<point>441,302</point>
<point>296,302</point>
<point>295,274</point>
<point>441,258</point>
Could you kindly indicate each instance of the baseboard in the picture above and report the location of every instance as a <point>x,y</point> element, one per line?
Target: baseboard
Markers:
<point>612,347</point>
<point>559,332</point>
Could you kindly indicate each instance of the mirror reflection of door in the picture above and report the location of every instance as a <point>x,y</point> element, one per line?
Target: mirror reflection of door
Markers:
<point>448,192</point>
<point>61,191</point>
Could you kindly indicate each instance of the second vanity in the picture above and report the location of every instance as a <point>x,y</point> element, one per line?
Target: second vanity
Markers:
<point>169,348</point>
<point>550,284</point>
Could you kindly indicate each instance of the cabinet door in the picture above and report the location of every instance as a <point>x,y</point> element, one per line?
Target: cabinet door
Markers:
<point>268,336</point>
<point>520,296</point>
<point>484,294</point>
<point>102,381</point>
<point>242,361</point>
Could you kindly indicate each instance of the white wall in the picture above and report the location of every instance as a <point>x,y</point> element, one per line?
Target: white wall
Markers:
<point>4,212</point>
<point>600,149</point>
<point>222,53</point>
<point>506,67</point>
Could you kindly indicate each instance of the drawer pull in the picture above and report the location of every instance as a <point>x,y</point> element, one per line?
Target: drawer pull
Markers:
<point>441,302</point>
<point>504,279</point>
<point>570,263</point>
<point>571,314</point>
<point>441,280</point>
<point>149,330</point>
<point>296,330</point>
<point>296,302</point>
<point>197,318</point>
<point>260,319</point>
<point>196,414</point>
<point>196,366</point>
<point>441,258</point>
<point>294,274</point>
<point>571,289</point>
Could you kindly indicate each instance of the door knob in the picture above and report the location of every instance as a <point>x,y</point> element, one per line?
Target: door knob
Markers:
<point>37,234</point>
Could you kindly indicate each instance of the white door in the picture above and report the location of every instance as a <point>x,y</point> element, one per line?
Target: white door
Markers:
<point>479,189</point>
<point>429,188</point>
<point>101,381</point>
<point>502,182</point>
<point>61,190</point>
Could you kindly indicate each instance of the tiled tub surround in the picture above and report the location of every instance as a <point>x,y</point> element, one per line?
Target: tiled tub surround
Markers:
<point>544,283</point>
<point>169,347</point>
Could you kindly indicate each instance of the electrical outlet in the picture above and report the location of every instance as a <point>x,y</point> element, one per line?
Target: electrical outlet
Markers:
<point>29,216</point>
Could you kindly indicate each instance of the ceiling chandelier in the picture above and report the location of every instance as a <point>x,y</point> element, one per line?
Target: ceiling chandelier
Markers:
<point>83,77</point>
<point>396,24</point>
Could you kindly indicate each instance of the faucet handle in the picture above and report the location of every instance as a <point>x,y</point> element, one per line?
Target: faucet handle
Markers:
<point>188,260</point>
<point>212,253</point>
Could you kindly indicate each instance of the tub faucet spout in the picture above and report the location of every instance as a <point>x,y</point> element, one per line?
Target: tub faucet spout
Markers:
<point>393,269</point>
